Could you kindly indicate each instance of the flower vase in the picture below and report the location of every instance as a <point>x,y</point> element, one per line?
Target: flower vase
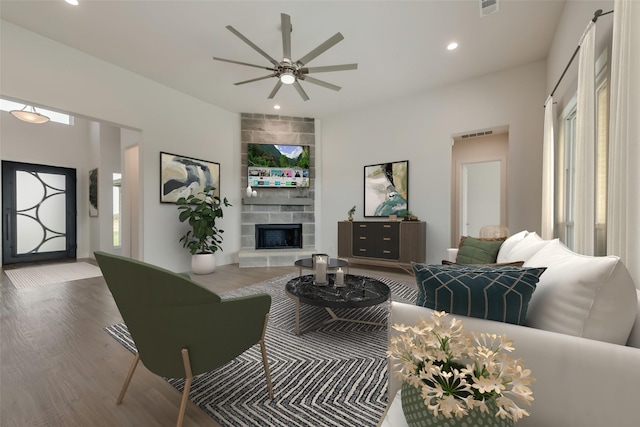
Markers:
<point>418,415</point>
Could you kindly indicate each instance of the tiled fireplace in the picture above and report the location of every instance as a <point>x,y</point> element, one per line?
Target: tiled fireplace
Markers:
<point>277,208</point>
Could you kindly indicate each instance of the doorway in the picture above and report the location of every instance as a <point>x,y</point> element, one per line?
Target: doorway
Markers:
<point>38,212</point>
<point>479,182</point>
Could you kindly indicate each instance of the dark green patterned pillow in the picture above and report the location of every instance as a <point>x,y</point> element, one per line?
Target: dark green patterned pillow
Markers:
<point>493,293</point>
<point>478,251</point>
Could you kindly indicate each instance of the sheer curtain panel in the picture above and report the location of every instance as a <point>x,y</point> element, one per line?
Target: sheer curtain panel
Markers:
<point>547,172</point>
<point>584,222</point>
<point>623,229</point>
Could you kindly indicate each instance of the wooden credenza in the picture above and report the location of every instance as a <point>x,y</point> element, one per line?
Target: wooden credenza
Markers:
<point>384,243</point>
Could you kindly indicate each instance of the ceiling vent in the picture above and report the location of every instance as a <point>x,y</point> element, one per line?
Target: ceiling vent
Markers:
<point>487,7</point>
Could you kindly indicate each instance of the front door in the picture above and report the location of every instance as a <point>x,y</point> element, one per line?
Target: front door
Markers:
<point>38,212</point>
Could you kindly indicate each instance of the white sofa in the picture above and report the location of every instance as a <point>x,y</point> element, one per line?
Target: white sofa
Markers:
<point>582,339</point>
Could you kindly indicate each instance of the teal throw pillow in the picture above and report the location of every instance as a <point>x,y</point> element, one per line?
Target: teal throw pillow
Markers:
<point>493,293</point>
<point>478,251</point>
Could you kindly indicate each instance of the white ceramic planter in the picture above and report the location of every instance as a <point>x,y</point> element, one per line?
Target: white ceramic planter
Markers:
<point>203,263</point>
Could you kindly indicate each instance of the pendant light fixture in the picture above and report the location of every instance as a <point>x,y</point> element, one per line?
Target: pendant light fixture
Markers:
<point>30,115</point>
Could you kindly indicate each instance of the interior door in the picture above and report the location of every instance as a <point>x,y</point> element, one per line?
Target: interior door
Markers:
<point>38,212</point>
<point>481,193</point>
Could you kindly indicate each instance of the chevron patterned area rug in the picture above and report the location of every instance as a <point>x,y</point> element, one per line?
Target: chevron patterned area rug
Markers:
<point>333,375</point>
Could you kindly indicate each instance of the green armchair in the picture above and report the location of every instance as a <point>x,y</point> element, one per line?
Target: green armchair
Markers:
<point>180,328</point>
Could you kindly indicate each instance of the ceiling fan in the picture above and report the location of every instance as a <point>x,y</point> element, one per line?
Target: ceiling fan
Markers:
<point>287,71</point>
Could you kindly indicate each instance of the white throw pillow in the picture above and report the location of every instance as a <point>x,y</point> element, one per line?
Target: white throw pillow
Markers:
<point>584,296</point>
<point>525,248</point>
<point>509,244</point>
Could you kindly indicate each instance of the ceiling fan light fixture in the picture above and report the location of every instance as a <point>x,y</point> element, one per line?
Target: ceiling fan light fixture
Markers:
<point>29,116</point>
<point>288,78</point>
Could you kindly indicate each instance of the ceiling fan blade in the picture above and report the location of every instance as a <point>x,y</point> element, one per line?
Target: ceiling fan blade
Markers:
<point>250,43</point>
<point>286,35</point>
<point>343,67</point>
<point>321,83</point>
<point>254,80</point>
<point>301,91</point>
<point>275,90</point>
<point>243,63</point>
<point>320,49</point>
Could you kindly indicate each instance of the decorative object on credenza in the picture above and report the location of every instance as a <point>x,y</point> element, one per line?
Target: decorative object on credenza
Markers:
<point>351,212</point>
<point>93,192</point>
<point>201,210</point>
<point>386,189</point>
<point>182,176</point>
<point>450,376</point>
<point>408,216</point>
<point>393,217</point>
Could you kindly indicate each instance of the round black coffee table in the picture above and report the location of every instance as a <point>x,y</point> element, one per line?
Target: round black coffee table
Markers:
<point>358,291</point>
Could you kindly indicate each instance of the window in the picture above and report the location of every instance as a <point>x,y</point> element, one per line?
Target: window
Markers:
<point>117,199</point>
<point>567,181</point>
<point>601,156</point>
<point>54,116</point>
<point>565,189</point>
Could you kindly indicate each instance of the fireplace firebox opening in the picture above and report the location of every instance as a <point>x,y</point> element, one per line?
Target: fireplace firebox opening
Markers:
<point>278,236</point>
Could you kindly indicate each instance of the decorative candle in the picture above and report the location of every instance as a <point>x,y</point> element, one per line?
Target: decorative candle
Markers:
<point>321,270</point>
<point>339,277</point>
<point>249,191</point>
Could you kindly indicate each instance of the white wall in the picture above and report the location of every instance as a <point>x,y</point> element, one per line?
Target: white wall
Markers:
<point>420,129</point>
<point>44,72</point>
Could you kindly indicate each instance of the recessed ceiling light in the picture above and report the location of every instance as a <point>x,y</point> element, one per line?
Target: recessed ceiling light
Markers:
<point>276,107</point>
<point>452,46</point>
<point>73,2</point>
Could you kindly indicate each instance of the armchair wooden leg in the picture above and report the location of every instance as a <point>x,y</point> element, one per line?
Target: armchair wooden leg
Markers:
<point>127,380</point>
<point>187,386</point>
<point>265,361</point>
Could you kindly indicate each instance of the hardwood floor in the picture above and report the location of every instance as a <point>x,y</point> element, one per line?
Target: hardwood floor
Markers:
<point>59,368</point>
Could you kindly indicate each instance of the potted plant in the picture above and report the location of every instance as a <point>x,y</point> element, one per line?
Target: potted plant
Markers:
<point>351,212</point>
<point>454,378</point>
<point>204,238</point>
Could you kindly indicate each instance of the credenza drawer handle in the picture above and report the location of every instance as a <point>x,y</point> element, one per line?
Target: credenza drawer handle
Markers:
<point>363,226</point>
<point>386,238</point>
<point>363,250</point>
<point>386,225</point>
<point>387,252</point>
<point>363,238</point>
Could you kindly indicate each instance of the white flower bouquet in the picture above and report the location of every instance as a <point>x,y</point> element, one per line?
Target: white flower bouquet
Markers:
<point>457,373</point>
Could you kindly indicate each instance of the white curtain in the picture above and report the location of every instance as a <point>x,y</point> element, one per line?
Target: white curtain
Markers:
<point>547,172</point>
<point>623,222</point>
<point>584,204</point>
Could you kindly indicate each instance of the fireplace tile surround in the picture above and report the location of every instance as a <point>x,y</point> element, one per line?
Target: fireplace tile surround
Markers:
<point>277,205</point>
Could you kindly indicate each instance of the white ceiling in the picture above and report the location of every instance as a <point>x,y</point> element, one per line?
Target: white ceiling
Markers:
<point>400,46</point>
